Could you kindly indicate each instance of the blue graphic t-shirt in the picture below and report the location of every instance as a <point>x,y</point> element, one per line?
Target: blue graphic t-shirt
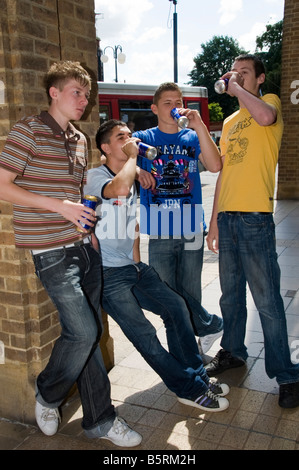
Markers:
<point>174,207</point>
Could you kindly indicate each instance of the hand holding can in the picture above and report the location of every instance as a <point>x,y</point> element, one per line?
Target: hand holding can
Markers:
<point>88,201</point>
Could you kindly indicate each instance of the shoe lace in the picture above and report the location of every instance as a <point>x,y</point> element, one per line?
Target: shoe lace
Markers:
<point>214,386</point>
<point>210,394</point>
<point>50,414</point>
<point>120,427</point>
<point>221,354</point>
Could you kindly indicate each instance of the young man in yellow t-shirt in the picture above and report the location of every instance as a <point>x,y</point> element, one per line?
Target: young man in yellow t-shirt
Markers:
<point>243,230</point>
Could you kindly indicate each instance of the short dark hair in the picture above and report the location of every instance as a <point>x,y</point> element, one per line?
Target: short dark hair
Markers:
<point>60,72</point>
<point>257,62</point>
<point>105,130</point>
<point>167,86</point>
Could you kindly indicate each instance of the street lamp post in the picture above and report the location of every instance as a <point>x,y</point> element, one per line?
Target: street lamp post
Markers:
<point>121,57</point>
<point>175,42</point>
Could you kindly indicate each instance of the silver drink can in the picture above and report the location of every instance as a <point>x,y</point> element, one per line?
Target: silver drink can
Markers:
<point>182,121</point>
<point>221,86</point>
<point>146,151</point>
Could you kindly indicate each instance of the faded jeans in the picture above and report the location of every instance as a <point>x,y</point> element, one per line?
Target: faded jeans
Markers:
<point>128,290</point>
<point>179,263</point>
<point>247,252</point>
<point>72,277</point>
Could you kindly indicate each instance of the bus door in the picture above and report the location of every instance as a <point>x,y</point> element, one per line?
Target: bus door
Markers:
<point>105,111</point>
<point>193,105</point>
<point>201,107</point>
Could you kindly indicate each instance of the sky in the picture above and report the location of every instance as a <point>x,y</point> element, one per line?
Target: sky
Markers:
<point>144,30</point>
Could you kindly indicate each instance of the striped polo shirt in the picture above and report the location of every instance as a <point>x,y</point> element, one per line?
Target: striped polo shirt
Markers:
<point>50,162</point>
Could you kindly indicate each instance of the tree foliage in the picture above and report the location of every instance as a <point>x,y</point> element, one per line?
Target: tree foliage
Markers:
<point>268,47</point>
<point>215,111</point>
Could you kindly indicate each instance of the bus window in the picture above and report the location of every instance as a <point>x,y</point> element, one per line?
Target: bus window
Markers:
<point>105,113</point>
<point>194,105</point>
<point>137,113</point>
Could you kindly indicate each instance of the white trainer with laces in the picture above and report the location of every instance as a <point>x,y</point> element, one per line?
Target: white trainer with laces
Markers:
<point>47,419</point>
<point>120,434</point>
<point>206,342</point>
<point>217,388</point>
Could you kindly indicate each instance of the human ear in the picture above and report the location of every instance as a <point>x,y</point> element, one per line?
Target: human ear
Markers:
<point>105,148</point>
<point>154,108</point>
<point>261,78</point>
<point>53,92</point>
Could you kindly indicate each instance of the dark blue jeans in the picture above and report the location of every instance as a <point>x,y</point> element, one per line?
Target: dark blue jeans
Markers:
<point>128,290</point>
<point>247,252</point>
<point>72,277</point>
<point>179,263</point>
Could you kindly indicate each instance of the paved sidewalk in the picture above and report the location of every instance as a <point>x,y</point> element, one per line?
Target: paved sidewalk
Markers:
<point>254,421</point>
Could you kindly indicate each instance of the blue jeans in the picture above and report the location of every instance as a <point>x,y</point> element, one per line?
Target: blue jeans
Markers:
<point>247,252</point>
<point>129,289</point>
<point>72,277</point>
<point>179,263</point>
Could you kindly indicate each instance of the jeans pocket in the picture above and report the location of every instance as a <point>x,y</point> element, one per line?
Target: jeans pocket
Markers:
<point>254,219</point>
<point>48,261</point>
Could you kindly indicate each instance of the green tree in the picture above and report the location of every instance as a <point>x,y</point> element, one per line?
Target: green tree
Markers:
<point>215,111</point>
<point>268,47</point>
<point>216,58</point>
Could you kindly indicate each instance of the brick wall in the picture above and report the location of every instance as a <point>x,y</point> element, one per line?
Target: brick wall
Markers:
<point>288,175</point>
<point>34,34</point>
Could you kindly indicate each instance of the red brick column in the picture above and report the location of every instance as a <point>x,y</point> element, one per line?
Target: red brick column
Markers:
<point>288,175</point>
<point>34,34</point>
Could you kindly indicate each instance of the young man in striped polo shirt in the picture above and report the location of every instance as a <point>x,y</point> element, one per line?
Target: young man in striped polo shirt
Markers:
<point>42,172</point>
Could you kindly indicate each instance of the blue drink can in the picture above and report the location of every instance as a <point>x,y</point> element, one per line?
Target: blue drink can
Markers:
<point>182,121</point>
<point>146,151</point>
<point>88,201</point>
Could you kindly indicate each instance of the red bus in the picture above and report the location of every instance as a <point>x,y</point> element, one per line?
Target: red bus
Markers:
<point>132,103</point>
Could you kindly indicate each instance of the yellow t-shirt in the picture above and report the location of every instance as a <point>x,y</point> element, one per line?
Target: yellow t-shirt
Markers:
<point>251,155</point>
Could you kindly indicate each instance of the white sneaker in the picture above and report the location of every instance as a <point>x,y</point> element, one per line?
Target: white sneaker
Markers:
<point>200,347</point>
<point>217,388</point>
<point>47,419</point>
<point>207,341</point>
<point>119,433</point>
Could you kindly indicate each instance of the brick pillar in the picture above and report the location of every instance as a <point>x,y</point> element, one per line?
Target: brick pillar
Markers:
<point>33,35</point>
<point>288,175</point>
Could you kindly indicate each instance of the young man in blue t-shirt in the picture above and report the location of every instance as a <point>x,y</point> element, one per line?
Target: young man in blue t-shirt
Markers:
<point>171,210</point>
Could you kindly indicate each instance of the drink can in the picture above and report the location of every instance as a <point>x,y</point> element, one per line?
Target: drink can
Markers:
<point>146,151</point>
<point>182,121</point>
<point>88,201</point>
<point>221,86</point>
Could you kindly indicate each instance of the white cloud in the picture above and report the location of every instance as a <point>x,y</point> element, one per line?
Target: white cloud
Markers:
<point>120,18</point>
<point>229,10</point>
<point>153,67</point>
<point>247,41</point>
<point>151,33</point>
